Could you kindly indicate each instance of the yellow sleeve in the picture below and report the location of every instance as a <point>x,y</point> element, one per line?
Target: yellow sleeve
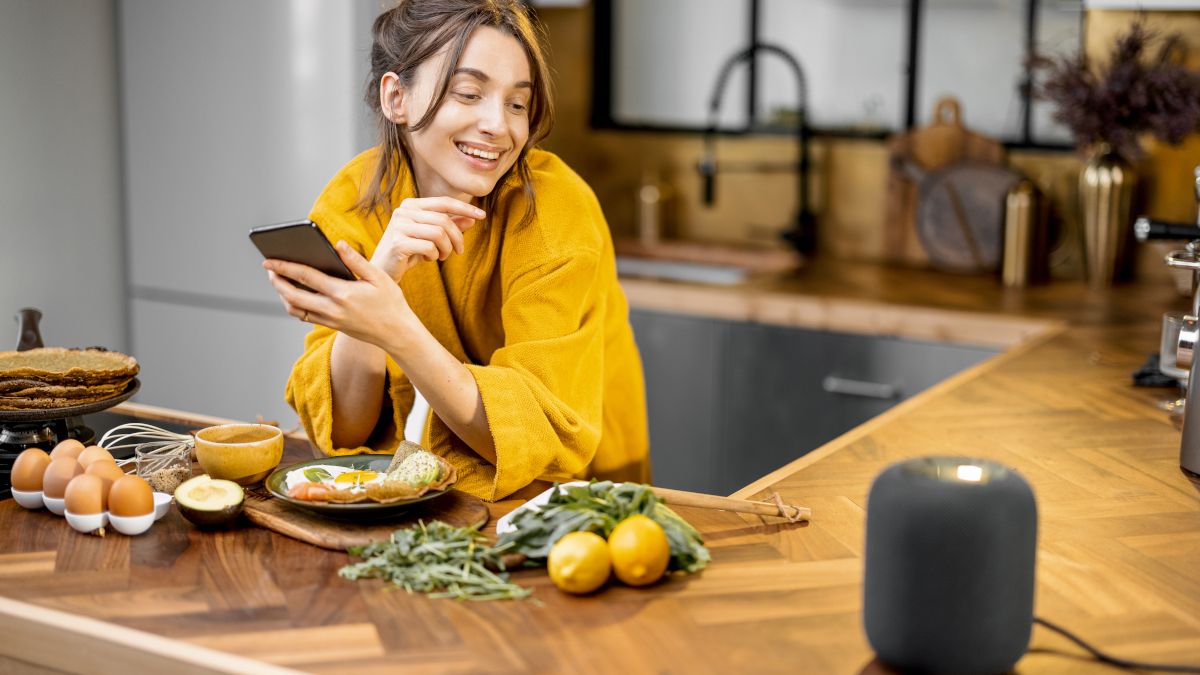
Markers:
<point>309,387</point>
<point>542,391</point>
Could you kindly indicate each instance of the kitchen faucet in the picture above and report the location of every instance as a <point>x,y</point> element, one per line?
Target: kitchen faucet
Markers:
<point>1189,333</point>
<point>802,235</point>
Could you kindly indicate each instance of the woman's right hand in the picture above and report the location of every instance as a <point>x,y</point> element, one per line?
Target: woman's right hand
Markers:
<point>423,228</point>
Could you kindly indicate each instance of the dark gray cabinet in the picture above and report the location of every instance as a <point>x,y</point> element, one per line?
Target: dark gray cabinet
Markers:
<point>730,402</point>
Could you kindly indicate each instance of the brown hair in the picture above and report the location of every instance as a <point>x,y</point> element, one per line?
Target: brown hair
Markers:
<point>415,30</point>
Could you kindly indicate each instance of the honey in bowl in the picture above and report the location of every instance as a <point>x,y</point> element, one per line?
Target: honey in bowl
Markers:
<point>242,453</point>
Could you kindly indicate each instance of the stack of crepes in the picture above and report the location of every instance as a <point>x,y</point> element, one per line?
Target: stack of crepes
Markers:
<point>53,377</point>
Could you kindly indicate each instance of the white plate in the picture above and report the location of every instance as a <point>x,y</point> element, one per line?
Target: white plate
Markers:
<point>504,525</point>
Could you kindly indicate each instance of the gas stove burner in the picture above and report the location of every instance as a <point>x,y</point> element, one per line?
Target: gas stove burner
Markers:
<point>16,437</point>
<point>22,435</point>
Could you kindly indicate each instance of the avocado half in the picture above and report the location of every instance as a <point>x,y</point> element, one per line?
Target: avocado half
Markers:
<point>210,503</point>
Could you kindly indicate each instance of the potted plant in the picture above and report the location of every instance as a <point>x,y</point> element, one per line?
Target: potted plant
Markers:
<point>1109,107</point>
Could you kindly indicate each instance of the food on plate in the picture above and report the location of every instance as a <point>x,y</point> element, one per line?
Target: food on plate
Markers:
<point>85,495</point>
<point>59,366</point>
<point>412,473</point>
<point>130,496</point>
<point>68,448</point>
<point>58,473</point>
<point>208,502</point>
<point>579,562</point>
<point>53,377</point>
<point>93,453</point>
<point>639,550</point>
<point>28,469</point>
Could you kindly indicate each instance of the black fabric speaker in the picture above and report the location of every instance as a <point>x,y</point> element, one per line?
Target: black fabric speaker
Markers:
<point>950,552</point>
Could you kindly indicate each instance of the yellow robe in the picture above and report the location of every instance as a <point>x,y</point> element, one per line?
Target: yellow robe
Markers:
<point>535,313</point>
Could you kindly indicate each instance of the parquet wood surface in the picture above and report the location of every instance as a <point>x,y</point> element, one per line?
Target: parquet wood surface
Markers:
<point>1118,558</point>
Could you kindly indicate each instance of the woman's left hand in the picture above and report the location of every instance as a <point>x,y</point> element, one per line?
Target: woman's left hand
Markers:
<point>368,309</point>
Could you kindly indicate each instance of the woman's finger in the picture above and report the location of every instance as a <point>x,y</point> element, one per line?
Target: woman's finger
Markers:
<point>297,301</point>
<point>421,228</point>
<point>362,268</point>
<point>450,230</point>
<point>448,205</point>
<point>311,277</point>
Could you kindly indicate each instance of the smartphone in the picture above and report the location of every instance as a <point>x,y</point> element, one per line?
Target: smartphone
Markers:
<point>301,242</point>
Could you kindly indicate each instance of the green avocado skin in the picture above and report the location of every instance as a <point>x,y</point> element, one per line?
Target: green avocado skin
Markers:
<point>197,514</point>
<point>210,518</point>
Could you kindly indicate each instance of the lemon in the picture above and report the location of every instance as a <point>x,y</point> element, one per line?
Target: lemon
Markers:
<point>639,550</point>
<point>578,562</point>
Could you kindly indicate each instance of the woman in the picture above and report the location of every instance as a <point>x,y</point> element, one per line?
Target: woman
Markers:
<point>486,275</point>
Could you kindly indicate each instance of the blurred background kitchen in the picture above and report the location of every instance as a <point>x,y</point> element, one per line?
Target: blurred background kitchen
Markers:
<point>141,139</point>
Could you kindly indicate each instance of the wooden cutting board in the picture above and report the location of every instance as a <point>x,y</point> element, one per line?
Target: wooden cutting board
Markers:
<point>931,147</point>
<point>456,508</point>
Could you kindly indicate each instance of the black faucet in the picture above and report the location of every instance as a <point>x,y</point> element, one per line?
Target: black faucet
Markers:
<point>803,234</point>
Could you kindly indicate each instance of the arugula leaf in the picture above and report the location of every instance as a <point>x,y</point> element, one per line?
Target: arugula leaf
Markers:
<point>598,507</point>
<point>316,474</point>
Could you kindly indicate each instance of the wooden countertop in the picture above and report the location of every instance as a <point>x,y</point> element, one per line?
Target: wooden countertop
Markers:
<point>1119,540</point>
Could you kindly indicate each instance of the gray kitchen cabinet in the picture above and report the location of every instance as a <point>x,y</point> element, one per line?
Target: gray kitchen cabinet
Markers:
<point>730,402</point>
<point>680,357</point>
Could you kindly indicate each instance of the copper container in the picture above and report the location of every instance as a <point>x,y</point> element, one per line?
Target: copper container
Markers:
<point>1105,192</point>
<point>1024,237</point>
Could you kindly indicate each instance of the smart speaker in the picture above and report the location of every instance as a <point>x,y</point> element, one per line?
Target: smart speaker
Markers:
<point>949,566</point>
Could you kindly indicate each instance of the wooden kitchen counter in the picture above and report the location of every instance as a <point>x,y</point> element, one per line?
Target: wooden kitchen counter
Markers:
<point>1119,540</point>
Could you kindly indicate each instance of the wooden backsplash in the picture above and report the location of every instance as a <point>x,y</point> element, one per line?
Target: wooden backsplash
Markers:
<point>849,176</point>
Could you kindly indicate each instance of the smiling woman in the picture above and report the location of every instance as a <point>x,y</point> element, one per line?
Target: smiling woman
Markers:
<point>486,275</point>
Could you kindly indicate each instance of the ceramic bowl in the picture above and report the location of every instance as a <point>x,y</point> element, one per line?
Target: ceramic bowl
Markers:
<point>30,500</point>
<point>131,525</point>
<point>57,506</point>
<point>87,522</point>
<point>242,453</point>
<point>162,504</point>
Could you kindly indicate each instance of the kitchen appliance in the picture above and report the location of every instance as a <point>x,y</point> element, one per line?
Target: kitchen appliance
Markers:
<point>44,428</point>
<point>949,561</point>
<point>1189,259</point>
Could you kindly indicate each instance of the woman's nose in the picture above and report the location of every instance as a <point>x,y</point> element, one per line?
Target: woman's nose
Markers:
<point>492,120</point>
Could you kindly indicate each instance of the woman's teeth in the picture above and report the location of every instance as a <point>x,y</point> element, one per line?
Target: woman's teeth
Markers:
<point>475,152</point>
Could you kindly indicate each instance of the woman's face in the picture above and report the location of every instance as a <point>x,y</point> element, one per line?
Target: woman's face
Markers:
<point>483,124</point>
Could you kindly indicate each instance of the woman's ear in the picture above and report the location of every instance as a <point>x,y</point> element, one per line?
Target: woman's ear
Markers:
<point>392,99</point>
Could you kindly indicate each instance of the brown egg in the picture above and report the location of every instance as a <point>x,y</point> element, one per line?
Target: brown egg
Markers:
<point>28,470</point>
<point>68,448</point>
<point>92,453</point>
<point>109,472</point>
<point>85,495</point>
<point>58,473</point>
<point>130,496</point>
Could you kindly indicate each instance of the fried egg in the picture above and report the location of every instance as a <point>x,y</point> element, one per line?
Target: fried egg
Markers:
<point>341,477</point>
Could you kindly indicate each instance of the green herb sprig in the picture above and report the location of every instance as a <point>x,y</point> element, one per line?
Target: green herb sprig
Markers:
<point>439,559</point>
<point>598,507</point>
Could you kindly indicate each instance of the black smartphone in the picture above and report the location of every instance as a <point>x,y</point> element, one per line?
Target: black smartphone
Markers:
<point>301,242</point>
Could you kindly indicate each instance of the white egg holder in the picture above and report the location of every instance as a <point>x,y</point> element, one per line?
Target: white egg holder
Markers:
<point>90,522</point>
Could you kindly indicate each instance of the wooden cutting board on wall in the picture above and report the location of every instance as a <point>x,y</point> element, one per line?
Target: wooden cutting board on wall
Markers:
<point>945,141</point>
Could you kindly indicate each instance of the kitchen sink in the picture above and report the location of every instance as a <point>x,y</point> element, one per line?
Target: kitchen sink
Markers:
<point>703,263</point>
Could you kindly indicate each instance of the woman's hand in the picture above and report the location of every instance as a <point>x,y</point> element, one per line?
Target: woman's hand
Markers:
<point>370,309</point>
<point>427,228</point>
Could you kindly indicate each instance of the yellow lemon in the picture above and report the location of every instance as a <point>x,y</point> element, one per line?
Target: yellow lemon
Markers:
<point>578,562</point>
<point>639,550</point>
<point>355,477</point>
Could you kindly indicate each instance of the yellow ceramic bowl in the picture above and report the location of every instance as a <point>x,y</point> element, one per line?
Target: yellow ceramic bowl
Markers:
<point>242,453</point>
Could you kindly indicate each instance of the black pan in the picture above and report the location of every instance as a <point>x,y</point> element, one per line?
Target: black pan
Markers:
<point>29,336</point>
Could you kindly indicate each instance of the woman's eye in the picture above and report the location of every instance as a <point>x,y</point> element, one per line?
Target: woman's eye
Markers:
<point>517,106</point>
<point>467,96</point>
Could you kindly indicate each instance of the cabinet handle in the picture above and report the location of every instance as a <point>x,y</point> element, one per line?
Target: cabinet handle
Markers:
<point>841,385</point>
